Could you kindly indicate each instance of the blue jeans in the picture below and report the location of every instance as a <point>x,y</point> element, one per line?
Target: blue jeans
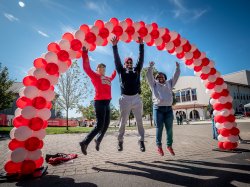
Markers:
<point>163,115</point>
<point>215,132</point>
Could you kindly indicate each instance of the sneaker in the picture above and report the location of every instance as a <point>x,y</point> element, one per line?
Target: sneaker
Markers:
<point>171,151</point>
<point>83,147</point>
<point>142,146</point>
<point>160,151</point>
<point>120,146</point>
<point>97,145</point>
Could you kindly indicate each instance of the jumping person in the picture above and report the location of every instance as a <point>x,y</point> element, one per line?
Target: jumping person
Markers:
<point>130,90</point>
<point>162,105</point>
<point>102,99</point>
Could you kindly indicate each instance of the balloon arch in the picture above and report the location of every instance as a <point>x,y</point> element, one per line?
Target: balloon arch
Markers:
<point>35,99</point>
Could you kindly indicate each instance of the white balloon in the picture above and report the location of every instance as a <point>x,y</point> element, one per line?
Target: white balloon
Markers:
<point>51,57</point>
<point>44,113</point>
<point>63,67</point>
<point>111,35</point>
<point>211,64</point>
<point>173,35</point>
<point>53,79</point>
<point>137,26</point>
<point>191,66</point>
<point>31,71</point>
<point>212,102</point>
<point>80,35</point>
<point>124,37</point>
<point>216,112</point>
<point>135,36</point>
<point>64,44</point>
<point>222,138</point>
<point>28,112</point>
<point>18,112</point>
<point>162,31</point>
<point>12,132</point>
<point>188,55</point>
<point>86,44</point>
<point>95,30</point>
<point>204,81</point>
<point>178,49</point>
<point>124,25</point>
<point>147,38</point>
<point>149,27</point>
<point>197,62</point>
<point>31,92</point>
<point>34,155</point>
<point>109,26</point>
<point>19,155</point>
<point>193,48</point>
<point>212,78</point>
<point>158,41</point>
<point>205,69</point>
<point>218,88</point>
<point>183,41</point>
<point>72,54</point>
<point>40,73</point>
<point>233,138</point>
<point>197,73</point>
<point>21,92</point>
<point>49,95</point>
<point>203,55</point>
<point>169,46</point>
<point>39,134</point>
<point>208,91</point>
<point>99,40</point>
<point>22,133</point>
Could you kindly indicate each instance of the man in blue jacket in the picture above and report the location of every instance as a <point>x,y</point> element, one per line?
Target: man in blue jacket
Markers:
<point>130,89</point>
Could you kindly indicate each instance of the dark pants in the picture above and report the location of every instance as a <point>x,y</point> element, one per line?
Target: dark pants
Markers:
<point>102,110</point>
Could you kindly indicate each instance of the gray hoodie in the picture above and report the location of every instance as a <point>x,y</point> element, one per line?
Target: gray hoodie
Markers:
<point>162,93</point>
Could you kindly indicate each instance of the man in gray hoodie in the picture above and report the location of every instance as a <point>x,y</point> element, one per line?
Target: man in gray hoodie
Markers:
<point>162,104</point>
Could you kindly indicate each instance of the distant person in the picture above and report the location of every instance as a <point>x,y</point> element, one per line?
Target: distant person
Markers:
<point>102,99</point>
<point>162,105</point>
<point>177,117</point>
<point>215,131</point>
<point>181,118</point>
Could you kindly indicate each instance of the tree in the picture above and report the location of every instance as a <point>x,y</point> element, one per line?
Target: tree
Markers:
<point>6,96</point>
<point>88,112</point>
<point>114,113</point>
<point>72,87</point>
<point>146,94</point>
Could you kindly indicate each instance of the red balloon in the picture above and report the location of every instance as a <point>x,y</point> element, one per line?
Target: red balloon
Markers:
<point>63,55</point>
<point>205,61</point>
<point>14,144</point>
<point>228,105</point>
<point>235,131</point>
<point>204,76</point>
<point>28,167</point>
<point>219,81</point>
<point>51,68</point>
<point>32,144</point>
<point>130,30</point>
<point>68,62</point>
<point>39,102</point>
<point>230,118</point>
<point>150,43</point>
<point>39,162</point>
<point>115,21</point>
<point>189,62</point>
<point>99,24</point>
<point>216,95</point>
<point>228,145</point>
<point>39,63</point>
<point>117,30</point>
<point>143,31</point>
<point>154,33</point>
<point>41,145</point>
<point>45,124</point>
<point>12,167</point>
<point>197,68</point>
<point>219,119</point>
<point>54,47</point>
<point>154,25</point>
<point>180,55</point>
<point>29,81</point>
<point>210,85</point>
<point>84,28</point>
<point>220,145</point>
<point>161,47</point>
<point>92,47</point>
<point>43,84</point>
<point>68,36</point>
<point>76,45</point>
<point>224,132</point>
<point>212,71</point>
<point>187,47</point>
<point>177,42</point>
<point>23,102</point>
<point>129,21</point>
<point>219,106</point>
<point>234,145</point>
<point>20,121</point>
<point>90,37</point>
<point>166,37</point>
<point>196,54</point>
<point>36,124</point>
<point>171,51</point>
<point>142,23</point>
<point>48,105</point>
<point>105,42</point>
<point>104,33</point>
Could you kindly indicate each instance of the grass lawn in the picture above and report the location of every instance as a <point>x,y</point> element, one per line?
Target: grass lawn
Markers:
<point>62,130</point>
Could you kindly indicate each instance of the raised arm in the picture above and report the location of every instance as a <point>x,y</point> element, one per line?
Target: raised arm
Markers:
<point>113,75</point>
<point>140,60</point>
<point>176,74</point>
<point>85,63</point>
<point>150,76</point>
<point>118,63</point>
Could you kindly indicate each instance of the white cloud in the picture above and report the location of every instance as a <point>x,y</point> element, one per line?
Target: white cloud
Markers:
<point>67,28</point>
<point>92,59</point>
<point>104,50</point>
<point>43,33</point>
<point>99,7</point>
<point>10,17</point>
<point>21,4</point>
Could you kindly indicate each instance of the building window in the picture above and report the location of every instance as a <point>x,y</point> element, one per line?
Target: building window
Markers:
<point>194,95</point>
<point>183,96</point>
<point>188,97</point>
<point>177,97</point>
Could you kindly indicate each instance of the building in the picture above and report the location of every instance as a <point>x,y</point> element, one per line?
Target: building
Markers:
<point>193,101</point>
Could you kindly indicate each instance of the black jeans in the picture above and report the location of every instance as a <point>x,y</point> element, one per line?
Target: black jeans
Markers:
<point>102,111</point>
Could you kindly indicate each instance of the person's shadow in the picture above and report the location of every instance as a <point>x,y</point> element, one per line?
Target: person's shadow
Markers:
<point>53,180</point>
<point>185,172</point>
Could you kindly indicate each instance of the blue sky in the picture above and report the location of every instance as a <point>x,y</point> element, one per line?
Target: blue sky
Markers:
<point>218,27</point>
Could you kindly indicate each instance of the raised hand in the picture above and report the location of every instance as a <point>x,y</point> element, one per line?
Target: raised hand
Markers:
<point>151,64</point>
<point>140,40</point>
<point>84,49</point>
<point>177,64</point>
<point>114,40</point>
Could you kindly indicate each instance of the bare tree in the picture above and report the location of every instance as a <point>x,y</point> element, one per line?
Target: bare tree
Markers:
<point>73,87</point>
